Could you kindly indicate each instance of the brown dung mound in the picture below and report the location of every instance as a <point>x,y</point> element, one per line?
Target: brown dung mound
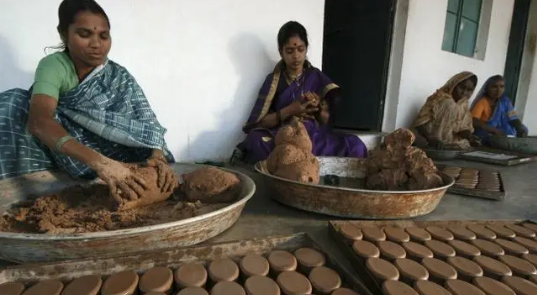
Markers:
<point>292,157</point>
<point>210,185</point>
<point>296,134</point>
<point>304,171</point>
<point>284,155</point>
<point>397,165</point>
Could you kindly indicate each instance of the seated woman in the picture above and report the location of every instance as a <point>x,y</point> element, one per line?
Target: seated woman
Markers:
<point>444,122</point>
<point>296,89</point>
<point>493,112</point>
<point>84,113</point>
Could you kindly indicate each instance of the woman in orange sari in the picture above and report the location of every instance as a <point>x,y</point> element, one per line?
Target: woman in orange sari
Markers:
<point>494,113</point>
<point>444,122</point>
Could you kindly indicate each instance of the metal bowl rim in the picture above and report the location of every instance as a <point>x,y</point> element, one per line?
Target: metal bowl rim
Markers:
<point>142,229</point>
<point>443,175</point>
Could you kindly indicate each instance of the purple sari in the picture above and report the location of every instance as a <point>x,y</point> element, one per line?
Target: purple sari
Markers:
<point>276,94</point>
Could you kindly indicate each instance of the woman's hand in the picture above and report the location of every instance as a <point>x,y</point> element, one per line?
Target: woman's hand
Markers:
<point>299,108</point>
<point>121,180</point>
<point>167,179</point>
<point>313,97</point>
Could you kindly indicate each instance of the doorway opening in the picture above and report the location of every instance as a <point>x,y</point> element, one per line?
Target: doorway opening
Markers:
<point>356,55</point>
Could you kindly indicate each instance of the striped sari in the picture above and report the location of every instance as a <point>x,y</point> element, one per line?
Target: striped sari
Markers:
<point>107,112</point>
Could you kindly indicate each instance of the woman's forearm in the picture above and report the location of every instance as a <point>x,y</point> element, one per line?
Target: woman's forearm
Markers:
<point>478,124</point>
<point>273,119</point>
<point>49,132</point>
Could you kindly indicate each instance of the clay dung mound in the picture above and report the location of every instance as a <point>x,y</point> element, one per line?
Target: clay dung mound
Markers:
<point>397,165</point>
<point>292,157</point>
<point>211,185</point>
<point>303,171</point>
<point>295,134</point>
<point>285,154</point>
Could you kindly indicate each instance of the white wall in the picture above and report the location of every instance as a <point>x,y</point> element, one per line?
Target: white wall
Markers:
<point>200,63</point>
<point>425,67</point>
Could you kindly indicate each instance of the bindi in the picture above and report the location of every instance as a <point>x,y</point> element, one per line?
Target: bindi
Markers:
<point>95,28</point>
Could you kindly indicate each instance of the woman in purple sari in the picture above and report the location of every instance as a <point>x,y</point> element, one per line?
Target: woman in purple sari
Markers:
<point>296,89</point>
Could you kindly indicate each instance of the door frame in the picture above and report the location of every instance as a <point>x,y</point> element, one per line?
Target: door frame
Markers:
<point>516,47</point>
<point>386,81</point>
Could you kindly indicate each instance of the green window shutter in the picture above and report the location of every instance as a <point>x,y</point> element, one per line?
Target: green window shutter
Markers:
<point>471,9</point>
<point>450,32</point>
<point>453,6</point>
<point>466,38</point>
<point>462,26</point>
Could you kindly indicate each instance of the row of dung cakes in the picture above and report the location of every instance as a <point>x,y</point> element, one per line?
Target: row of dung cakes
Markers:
<point>462,260</point>
<point>303,271</point>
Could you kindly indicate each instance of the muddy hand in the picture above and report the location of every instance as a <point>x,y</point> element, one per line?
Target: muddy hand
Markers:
<point>312,97</point>
<point>167,179</point>
<point>121,180</point>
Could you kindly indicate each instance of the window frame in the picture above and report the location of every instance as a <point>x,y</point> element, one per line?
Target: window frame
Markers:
<point>458,19</point>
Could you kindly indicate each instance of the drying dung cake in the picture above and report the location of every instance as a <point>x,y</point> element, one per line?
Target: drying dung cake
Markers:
<point>315,273</point>
<point>442,257</point>
<point>475,182</point>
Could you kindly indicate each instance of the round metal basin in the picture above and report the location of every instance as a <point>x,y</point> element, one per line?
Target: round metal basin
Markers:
<point>354,202</point>
<point>23,248</point>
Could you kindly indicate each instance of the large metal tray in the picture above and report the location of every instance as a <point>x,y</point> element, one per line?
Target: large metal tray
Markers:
<point>358,264</point>
<point>66,271</point>
<point>516,158</point>
<point>527,145</point>
<point>497,196</point>
<point>351,202</point>
<point>23,248</point>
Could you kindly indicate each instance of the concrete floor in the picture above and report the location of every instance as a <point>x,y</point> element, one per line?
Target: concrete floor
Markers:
<point>264,217</point>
